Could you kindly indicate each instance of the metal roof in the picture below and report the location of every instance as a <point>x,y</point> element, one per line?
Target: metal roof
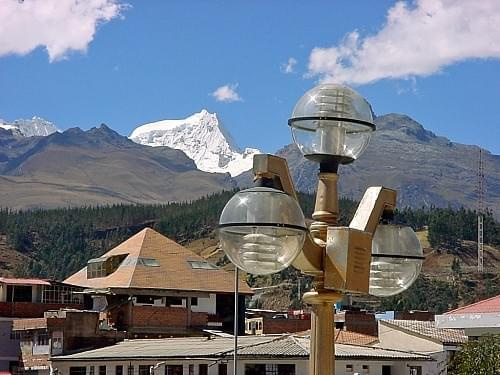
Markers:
<point>277,346</point>
<point>429,329</point>
<point>16,281</point>
<point>490,305</point>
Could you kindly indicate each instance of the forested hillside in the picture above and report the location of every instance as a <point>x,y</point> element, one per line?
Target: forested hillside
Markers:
<point>56,243</point>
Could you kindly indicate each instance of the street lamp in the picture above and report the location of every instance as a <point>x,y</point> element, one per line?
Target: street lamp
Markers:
<point>262,230</point>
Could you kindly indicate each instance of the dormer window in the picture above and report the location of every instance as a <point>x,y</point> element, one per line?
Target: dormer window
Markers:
<point>104,266</point>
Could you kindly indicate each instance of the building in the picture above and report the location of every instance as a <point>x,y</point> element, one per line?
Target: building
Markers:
<point>150,286</point>
<point>421,337</point>
<point>57,333</point>
<point>261,321</point>
<point>28,298</point>
<point>258,355</point>
<point>477,319</point>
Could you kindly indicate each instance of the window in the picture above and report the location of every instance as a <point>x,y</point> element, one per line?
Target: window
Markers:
<point>269,369</point>
<point>173,370</point>
<point>15,335</point>
<point>19,293</point>
<point>91,370</point>
<point>148,262</point>
<point>173,301</point>
<point>144,369</point>
<point>386,370</point>
<point>194,301</point>
<point>102,370</point>
<point>415,370</point>
<point>349,368</point>
<point>130,370</point>
<point>366,369</point>
<point>201,265</point>
<point>77,370</point>
<point>222,368</point>
<point>42,339</point>
<point>150,300</point>
<point>203,369</point>
<point>104,266</point>
<point>119,370</point>
<point>191,370</point>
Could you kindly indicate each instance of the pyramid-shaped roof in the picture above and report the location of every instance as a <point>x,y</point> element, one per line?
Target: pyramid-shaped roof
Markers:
<point>174,268</point>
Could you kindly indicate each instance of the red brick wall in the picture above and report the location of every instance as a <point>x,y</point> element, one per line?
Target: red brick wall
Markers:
<point>361,322</point>
<point>285,325</point>
<point>152,316</point>
<point>30,309</point>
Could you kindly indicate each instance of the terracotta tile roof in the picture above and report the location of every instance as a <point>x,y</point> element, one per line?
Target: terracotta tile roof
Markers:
<point>355,338</point>
<point>16,281</point>
<point>346,337</point>
<point>490,305</point>
<point>173,273</point>
<point>429,329</point>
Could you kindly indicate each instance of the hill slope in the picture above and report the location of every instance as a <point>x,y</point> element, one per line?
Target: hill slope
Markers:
<point>97,166</point>
<point>425,169</point>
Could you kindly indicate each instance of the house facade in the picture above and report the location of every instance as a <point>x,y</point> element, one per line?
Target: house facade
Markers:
<point>257,355</point>
<point>476,320</point>
<point>28,298</point>
<point>421,337</point>
<point>150,286</point>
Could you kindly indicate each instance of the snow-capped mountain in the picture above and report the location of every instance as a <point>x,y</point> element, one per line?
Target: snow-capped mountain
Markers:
<point>35,126</point>
<point>202,138</point>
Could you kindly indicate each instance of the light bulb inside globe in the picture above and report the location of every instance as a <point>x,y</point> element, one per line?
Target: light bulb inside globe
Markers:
<point>332,123</point>
<point>262,230</point>
<point>397,258</point>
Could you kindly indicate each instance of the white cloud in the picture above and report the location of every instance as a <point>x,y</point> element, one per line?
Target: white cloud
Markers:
<point>227,93</point>
<point>417,40</point>
<point>60,26</point>
<point>289,66</point>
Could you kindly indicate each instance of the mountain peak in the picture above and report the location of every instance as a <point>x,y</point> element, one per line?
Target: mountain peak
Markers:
<point>202,138</point>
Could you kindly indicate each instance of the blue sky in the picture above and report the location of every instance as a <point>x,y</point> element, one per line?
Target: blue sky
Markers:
<point>126,64</point>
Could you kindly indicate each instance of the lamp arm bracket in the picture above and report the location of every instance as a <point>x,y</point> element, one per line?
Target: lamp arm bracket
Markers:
<point>271,166</point>
<point>310,259</point>
<point>376,201</point>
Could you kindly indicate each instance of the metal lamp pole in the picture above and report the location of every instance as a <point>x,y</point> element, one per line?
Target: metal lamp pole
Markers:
<point>262,230</point>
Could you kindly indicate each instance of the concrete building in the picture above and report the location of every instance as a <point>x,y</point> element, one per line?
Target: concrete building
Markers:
<point>421,337</point>
<point>258,355</point>
<point>28,298</point>
<point>150,285</point>
<point>477,319</point>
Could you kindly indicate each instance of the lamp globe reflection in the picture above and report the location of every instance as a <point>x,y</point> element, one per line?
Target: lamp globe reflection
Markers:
<point>396,260</point>
<point>262,230</point>
<point>332,123</point>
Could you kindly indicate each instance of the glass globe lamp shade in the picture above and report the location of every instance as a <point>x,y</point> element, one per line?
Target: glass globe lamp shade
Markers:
<point>262,230</point>
<point>397,258</point>
<point>332,123</point>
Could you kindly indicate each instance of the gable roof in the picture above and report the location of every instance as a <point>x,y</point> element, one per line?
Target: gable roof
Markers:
<point>281,346</point>
<point>490,305</point>
<point>429,329</point>
<point>173,273</point>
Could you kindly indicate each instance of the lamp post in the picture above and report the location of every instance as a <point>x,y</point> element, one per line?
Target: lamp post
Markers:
<point>262,230</point>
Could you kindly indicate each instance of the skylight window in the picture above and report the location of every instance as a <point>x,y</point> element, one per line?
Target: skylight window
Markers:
<point>149,262</point>
<point>200,264</point>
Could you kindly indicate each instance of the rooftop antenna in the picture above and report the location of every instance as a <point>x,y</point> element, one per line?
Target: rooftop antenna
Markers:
<point>480,212</point>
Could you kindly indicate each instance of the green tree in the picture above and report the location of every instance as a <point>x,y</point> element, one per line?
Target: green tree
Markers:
<point>479,357</point>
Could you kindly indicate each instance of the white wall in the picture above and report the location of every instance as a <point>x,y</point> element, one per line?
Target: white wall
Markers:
<point>301,366</point>
<point>207,305</point>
